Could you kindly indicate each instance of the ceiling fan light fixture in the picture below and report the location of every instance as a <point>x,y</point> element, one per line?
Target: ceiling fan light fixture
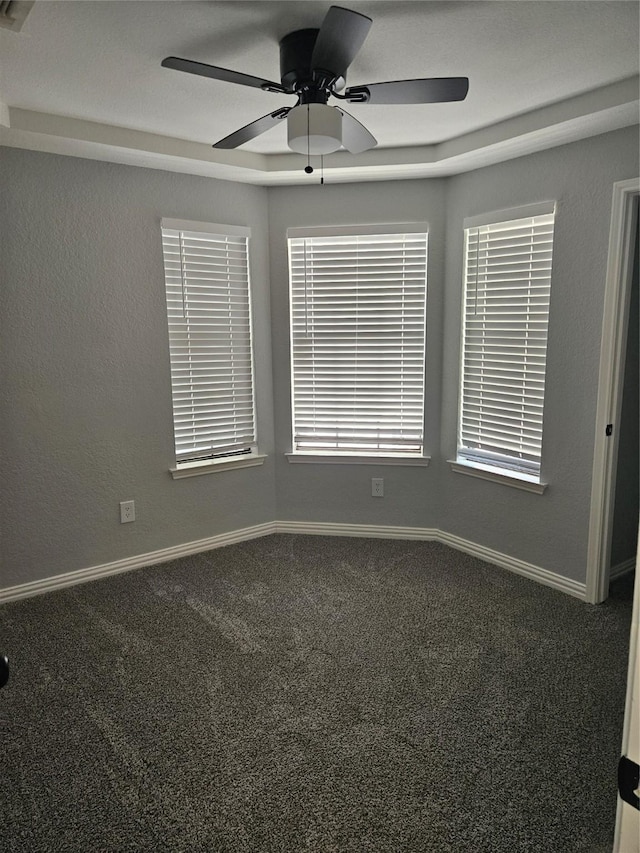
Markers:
<point>314,129</point>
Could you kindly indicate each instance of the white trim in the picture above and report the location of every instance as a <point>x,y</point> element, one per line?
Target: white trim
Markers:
<point>367,531</point>
<point>206,227</point>
<point>621,569</point>
<point>362,459</point>
<point>195,469</point>
<point>483,472</point>
<point>512,564</point>
<point>541,208</point>
<point>355,230</point>
<point>14,15</point>
<point>431,534</point>
<point>26,590</point>
<point>614,332</point>
<point>587,114</point>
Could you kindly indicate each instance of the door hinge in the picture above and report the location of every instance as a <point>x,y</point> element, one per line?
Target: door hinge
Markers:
<point>609,430</point>
<point>628,781</point>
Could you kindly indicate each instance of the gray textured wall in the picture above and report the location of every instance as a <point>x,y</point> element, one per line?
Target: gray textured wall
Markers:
<point>547,530</point>
<point>86,414</point>
<point>342,493</point>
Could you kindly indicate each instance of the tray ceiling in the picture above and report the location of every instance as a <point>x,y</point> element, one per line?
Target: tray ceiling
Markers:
<point>84,78</point>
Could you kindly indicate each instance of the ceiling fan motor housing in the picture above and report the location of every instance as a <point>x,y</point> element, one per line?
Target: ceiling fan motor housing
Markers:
<point>296,73</point>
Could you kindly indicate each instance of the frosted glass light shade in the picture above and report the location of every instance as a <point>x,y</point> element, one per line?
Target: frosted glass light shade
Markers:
<point>314,128</point>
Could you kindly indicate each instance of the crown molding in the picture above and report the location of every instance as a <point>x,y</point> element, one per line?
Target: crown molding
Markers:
<point>589,114</point>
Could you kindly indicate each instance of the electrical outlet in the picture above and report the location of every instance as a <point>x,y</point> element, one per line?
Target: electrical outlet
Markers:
<point>127,511</point>
<point>377,487</point>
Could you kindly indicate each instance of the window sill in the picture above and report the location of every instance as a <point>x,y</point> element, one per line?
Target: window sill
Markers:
<point>494,476</point>
<point>195,469</point>
<point>361,459</point>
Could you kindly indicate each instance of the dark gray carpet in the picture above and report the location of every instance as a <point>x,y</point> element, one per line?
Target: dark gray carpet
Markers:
<point>300,693</point>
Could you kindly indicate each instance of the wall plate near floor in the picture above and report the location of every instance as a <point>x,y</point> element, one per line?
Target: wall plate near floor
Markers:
<point>127,511</point>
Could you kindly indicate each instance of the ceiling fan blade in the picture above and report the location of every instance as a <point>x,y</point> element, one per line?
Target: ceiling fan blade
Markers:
<point>224,74</point>
<point>355,136</point>
<point>426,91</point>
<point>250,131</point>
<point>341,36</point>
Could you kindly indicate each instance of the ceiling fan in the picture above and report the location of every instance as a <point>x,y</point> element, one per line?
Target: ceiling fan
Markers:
<point>313,66</point>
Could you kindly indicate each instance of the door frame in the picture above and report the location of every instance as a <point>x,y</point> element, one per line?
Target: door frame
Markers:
<point>624,221</point>
<point>627,818</point>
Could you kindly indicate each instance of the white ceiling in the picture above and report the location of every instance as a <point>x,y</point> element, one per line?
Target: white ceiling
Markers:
<point>84,77</point>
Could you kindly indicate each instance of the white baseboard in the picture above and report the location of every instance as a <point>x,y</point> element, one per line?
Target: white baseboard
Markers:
<point>25,590</point>
<point>368,531</point>
<point>432,534</point>
<point>512,564</point>
<point>621,569</point>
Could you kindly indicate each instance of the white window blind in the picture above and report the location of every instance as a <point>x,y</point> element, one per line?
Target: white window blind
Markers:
<point>209,315</point>
<point>506,313</point>
<point>358,342</point>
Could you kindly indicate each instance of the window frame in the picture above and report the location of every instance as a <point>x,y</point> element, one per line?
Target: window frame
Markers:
<point>236,457</point>
<point>485,464</point>
<point>356,456</point>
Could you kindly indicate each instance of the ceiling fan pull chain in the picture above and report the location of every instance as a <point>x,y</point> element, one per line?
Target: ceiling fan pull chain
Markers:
<point>308,168</point>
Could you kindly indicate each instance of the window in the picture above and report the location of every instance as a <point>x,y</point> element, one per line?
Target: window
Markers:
<point>507,282</point>
<point>209,315</point>
<point>358,340</point>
